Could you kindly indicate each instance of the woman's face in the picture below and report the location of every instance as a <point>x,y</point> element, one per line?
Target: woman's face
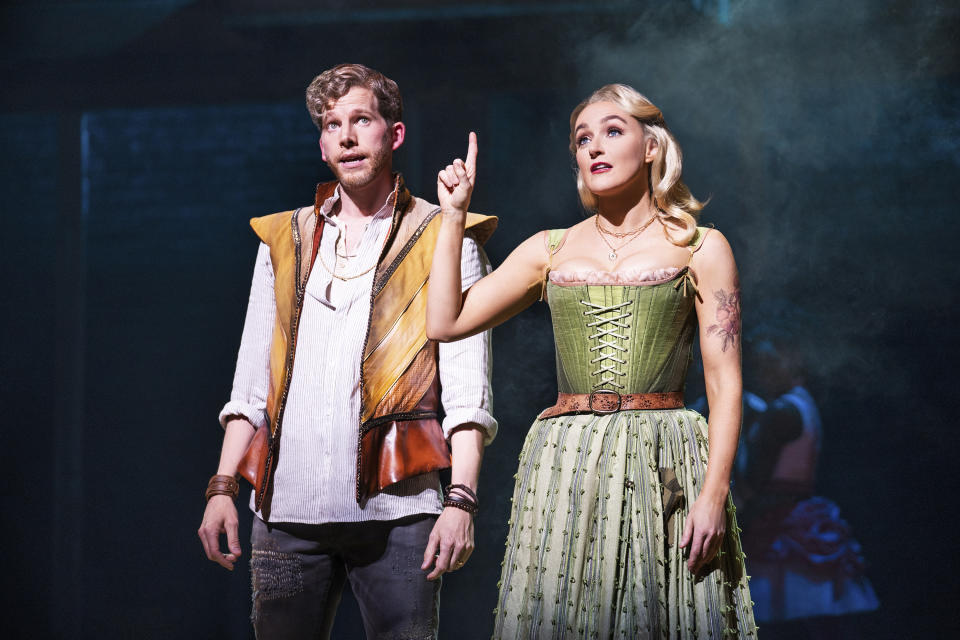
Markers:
<point>611,150</point>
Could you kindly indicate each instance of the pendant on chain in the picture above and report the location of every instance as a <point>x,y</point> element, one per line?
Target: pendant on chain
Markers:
<point>612,256</point>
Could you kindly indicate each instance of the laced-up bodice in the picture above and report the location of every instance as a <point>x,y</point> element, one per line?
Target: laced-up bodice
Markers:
<point>611,324</point>
<point>626,334</point>
<point>626,338</point>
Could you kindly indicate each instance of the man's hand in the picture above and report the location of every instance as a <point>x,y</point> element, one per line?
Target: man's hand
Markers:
<point>455,182</point>
<point>219,517</point>
<point>450,543</point>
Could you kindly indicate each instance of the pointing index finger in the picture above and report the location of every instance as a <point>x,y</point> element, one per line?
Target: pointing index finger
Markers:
<point>472,154</point>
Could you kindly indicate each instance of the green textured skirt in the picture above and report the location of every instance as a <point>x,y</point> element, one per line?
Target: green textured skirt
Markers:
<point>593,551</point>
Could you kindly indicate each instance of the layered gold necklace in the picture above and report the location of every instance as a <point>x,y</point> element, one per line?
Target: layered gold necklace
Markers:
<point>629,235</point>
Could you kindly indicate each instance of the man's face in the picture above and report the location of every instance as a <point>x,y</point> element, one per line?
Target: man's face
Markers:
<point>356,142</point>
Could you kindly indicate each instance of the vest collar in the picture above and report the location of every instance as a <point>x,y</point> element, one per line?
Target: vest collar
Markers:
<point>328,193</point>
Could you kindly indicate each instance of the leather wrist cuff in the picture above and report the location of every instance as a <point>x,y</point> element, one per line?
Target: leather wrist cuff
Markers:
<point>222,485</point>
<point>465,498</point>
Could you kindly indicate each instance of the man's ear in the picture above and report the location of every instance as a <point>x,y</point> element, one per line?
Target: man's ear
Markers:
<point>323,154</point>
<point>398,132</point>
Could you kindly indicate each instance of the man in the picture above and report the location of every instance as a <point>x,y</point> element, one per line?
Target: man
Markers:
<point>335,330</point>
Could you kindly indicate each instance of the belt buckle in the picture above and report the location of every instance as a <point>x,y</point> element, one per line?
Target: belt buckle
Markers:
<point>608,392</point>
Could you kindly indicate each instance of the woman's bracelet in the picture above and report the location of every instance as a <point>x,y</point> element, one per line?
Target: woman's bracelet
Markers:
<point>222,485</point>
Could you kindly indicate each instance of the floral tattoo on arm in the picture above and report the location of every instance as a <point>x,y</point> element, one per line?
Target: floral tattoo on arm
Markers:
<point>728,316</point>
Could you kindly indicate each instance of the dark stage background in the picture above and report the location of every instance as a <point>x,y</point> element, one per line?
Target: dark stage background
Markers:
<point>139,137</point>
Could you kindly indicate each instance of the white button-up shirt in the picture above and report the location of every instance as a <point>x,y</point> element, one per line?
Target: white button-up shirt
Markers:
<point>315,475</point>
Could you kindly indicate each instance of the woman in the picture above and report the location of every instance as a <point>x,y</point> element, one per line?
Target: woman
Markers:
<point>620,526</point>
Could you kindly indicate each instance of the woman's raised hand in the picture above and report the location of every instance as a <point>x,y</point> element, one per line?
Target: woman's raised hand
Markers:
<point>455,182</point>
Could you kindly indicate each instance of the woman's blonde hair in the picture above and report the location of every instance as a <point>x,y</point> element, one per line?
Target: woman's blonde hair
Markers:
<point>676,206</point>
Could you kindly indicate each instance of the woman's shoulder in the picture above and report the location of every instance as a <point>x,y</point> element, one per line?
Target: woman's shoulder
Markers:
<point>710,247</point>
<point>554,239</point>
<point>708,238</point>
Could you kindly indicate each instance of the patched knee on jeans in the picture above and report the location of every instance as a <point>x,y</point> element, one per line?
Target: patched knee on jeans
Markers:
<point>275,574</point>
<point>408,564</point>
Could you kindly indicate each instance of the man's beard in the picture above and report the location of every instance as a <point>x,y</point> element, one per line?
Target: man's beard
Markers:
<point>375,164</point>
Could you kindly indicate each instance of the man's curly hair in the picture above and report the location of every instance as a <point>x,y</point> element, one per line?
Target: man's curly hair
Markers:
<point>333,84</point>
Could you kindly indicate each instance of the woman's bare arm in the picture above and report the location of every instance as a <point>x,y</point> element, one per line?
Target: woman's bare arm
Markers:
<point>719,316</point>
<point>452,315</point>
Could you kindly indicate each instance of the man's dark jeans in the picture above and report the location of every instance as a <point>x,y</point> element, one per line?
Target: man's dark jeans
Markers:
<point>298,572</point>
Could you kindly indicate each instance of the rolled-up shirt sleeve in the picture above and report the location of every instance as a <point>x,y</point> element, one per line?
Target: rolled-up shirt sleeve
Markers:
<point>251,379</point>
<point>465,365</point>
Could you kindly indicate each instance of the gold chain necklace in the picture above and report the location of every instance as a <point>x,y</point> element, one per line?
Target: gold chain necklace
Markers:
<point>624,234</point>
<point>630,235</point>
<point>333,272</point>
<point>344,278</point>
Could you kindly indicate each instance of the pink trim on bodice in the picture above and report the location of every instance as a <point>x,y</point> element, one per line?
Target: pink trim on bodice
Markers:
<point>625,277</point>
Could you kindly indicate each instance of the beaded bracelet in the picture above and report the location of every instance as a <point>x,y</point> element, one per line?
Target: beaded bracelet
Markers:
<point>465,499</point>
<point>461,504</point>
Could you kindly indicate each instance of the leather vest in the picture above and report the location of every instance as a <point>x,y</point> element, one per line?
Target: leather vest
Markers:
<point>399,434</point>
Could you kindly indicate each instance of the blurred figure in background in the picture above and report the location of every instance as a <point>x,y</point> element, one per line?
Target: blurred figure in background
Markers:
<point>804,561</point>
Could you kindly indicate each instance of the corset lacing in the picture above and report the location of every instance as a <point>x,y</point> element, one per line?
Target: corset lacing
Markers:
<point>608,349</point>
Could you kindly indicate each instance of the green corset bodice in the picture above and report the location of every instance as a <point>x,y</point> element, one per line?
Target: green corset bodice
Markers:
<point>626,338</point>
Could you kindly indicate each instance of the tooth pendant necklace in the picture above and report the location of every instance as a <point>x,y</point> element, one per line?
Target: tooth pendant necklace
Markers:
<point>629,235</point>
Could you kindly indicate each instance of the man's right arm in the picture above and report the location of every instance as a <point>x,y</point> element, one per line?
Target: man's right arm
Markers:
<point>245,411</point>
<point>220,515</point>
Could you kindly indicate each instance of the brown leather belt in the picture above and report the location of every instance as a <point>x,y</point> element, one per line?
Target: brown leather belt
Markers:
<point>606,401</point>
